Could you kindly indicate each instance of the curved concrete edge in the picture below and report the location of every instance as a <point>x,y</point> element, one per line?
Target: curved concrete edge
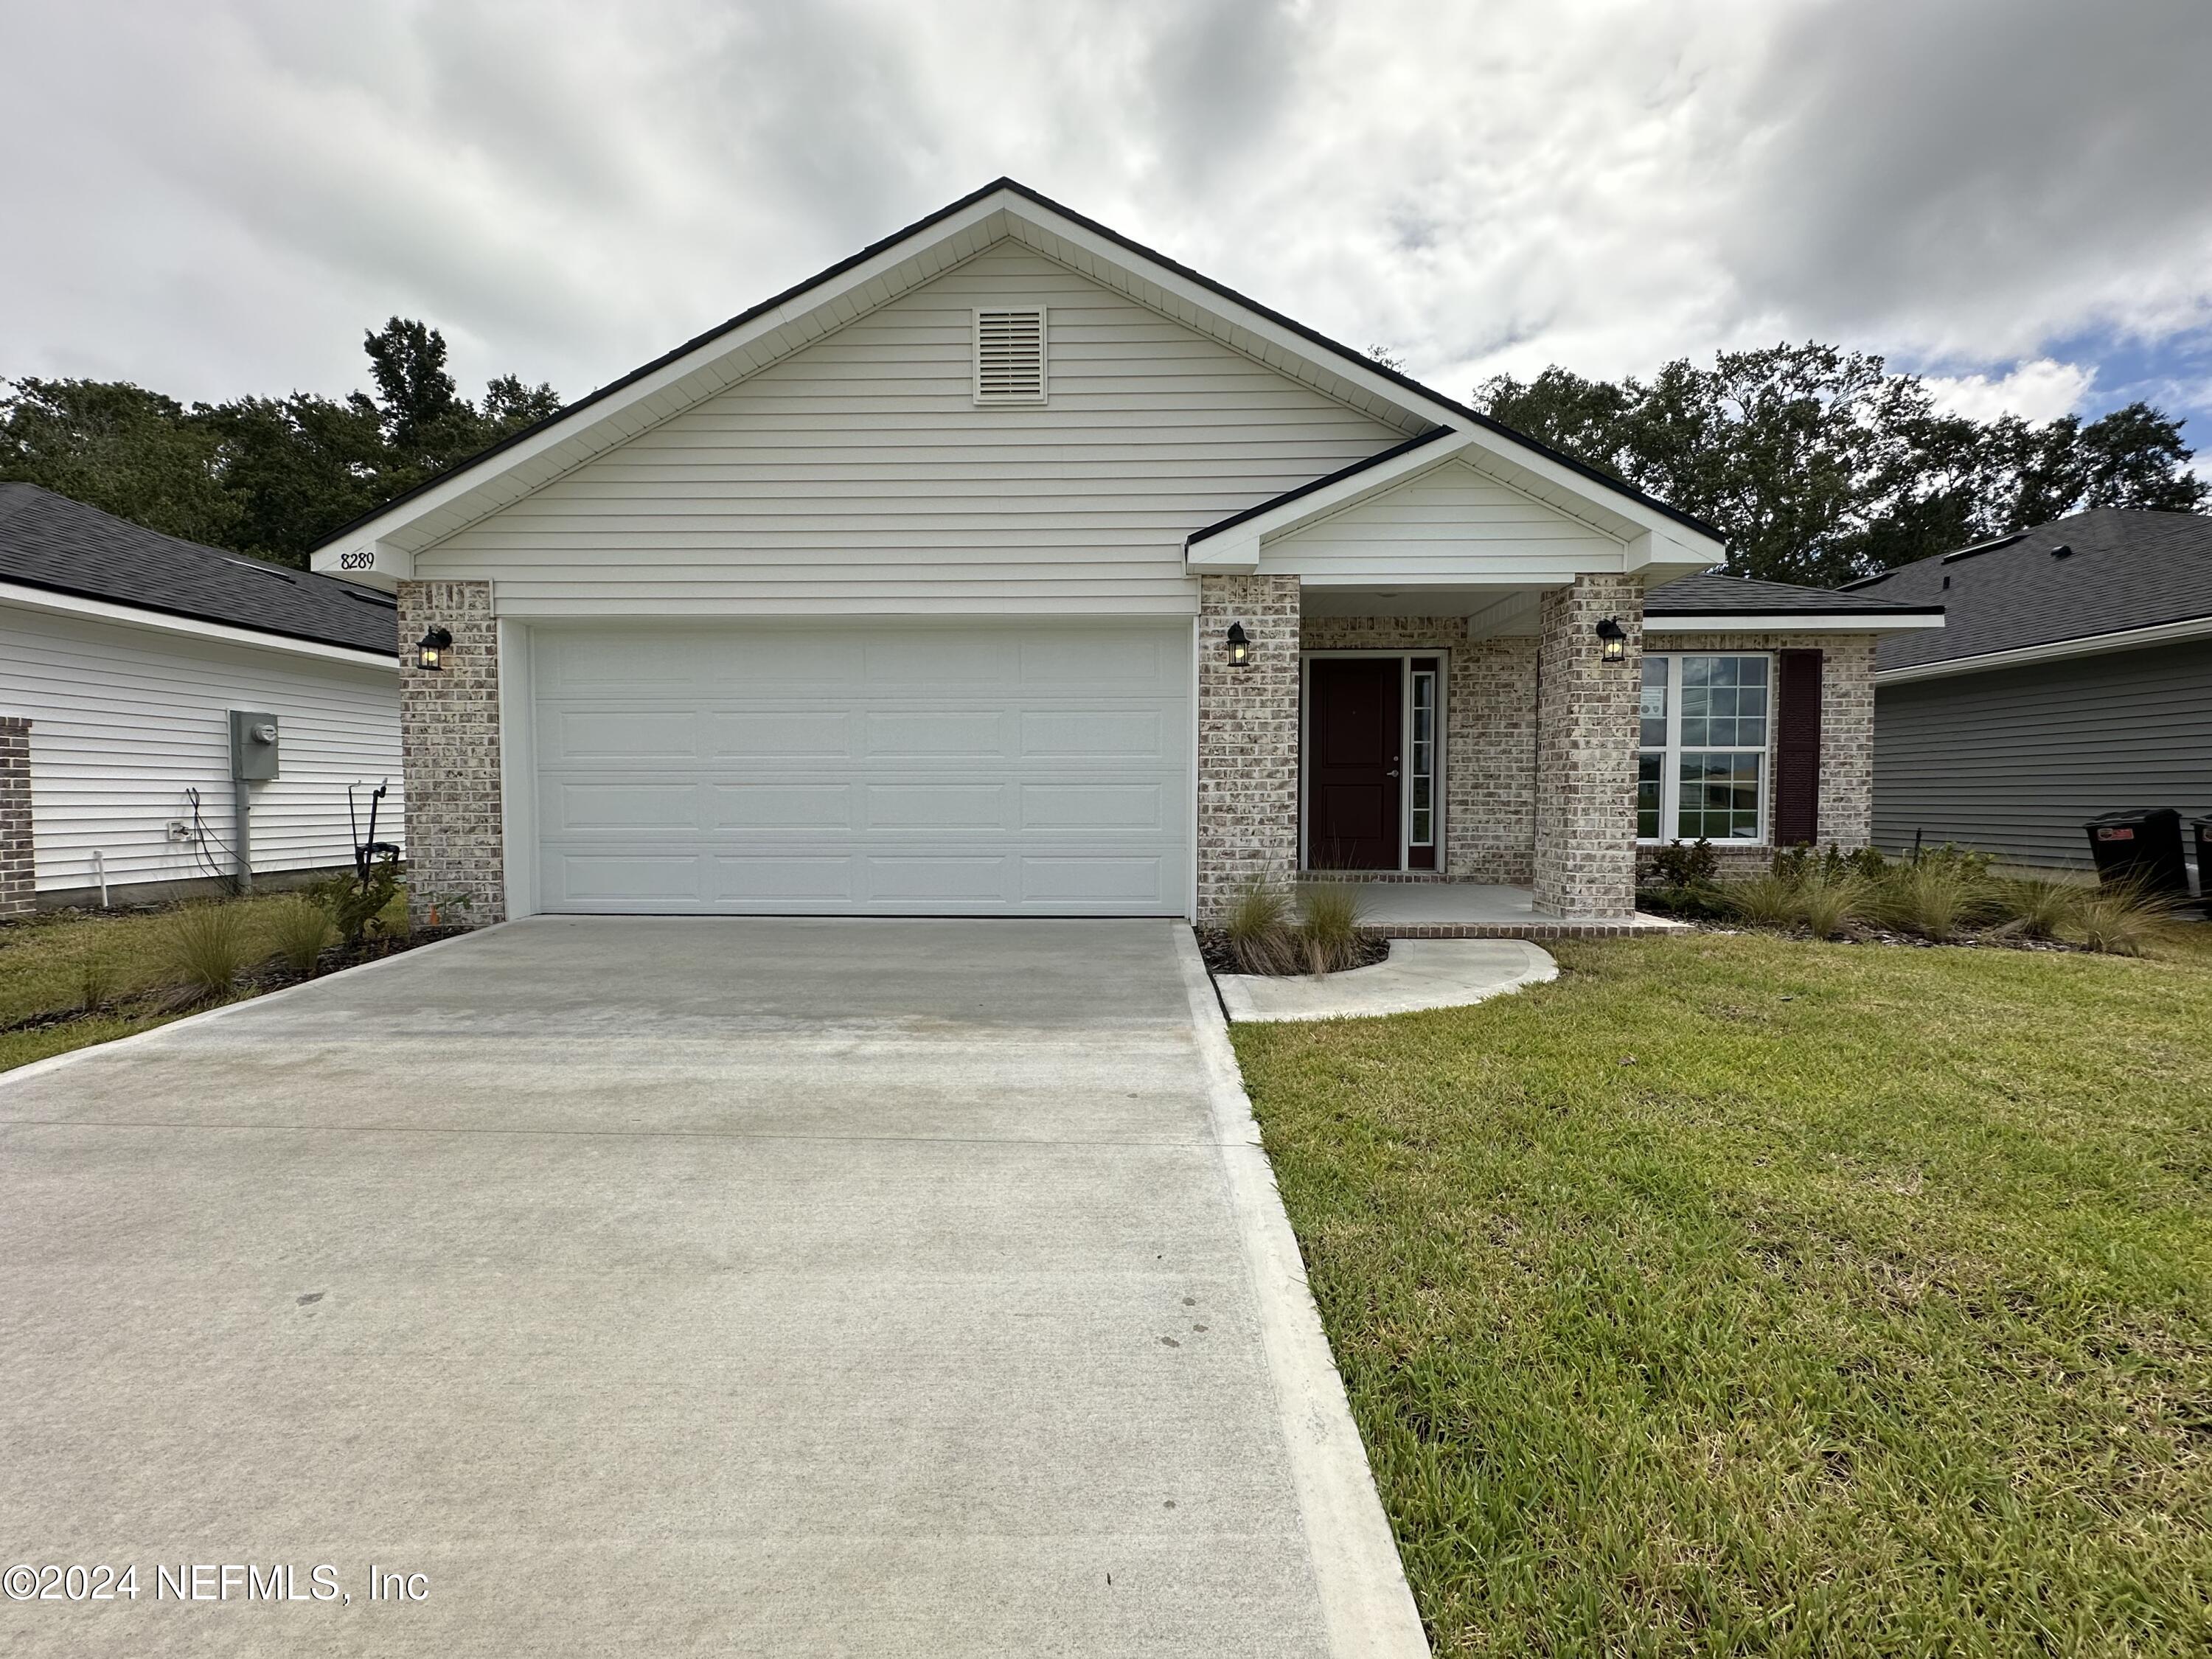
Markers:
<point>55,1062</point>
<point>1420,974</point>
<point>1365,1600</point>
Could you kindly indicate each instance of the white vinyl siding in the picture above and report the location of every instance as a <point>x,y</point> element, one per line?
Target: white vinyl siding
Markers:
<point>917,769</point>
<point>860,476</point>
<point>125,719</point>
<point>1443,523</point>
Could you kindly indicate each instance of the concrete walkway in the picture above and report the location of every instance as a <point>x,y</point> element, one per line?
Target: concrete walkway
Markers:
<point>1420,974</point>
<point>683,1286</point>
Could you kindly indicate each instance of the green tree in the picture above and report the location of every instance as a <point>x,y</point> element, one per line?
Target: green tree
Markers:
<point>120,448</point>
<point>269,477</point>
<point>1818,465</point>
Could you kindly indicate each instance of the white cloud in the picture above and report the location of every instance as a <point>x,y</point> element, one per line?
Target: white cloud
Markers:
<point>2039,391</point>
<point>570,189</point>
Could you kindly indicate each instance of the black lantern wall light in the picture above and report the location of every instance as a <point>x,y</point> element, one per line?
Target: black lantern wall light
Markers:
<point>1240,646</point>
<point>430,650</point>
<point>1614,640</point>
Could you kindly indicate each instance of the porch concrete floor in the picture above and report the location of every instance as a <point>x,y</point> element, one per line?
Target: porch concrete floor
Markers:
<point>1468,909</point>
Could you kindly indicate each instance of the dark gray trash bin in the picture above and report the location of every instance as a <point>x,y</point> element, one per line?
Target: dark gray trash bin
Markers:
<point>2140,848</point>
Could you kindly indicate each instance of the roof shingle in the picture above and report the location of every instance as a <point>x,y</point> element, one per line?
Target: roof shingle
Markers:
<point>50,541</point>
<point>2123,569</point>
<point>1712,595</point>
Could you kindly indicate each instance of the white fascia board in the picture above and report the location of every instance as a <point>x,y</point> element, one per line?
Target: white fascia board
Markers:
<point>161,621</point>
<point>1239,548</point>
<point>644,390</point>
<point>2092,645</point>
<point>371,563</point>
<point>1804,622</point>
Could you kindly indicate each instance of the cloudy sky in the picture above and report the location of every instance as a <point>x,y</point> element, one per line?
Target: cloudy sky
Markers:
<point>219,197</point>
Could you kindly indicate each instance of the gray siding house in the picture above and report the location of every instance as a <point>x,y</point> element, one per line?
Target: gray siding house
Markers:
<point>2074,678</point>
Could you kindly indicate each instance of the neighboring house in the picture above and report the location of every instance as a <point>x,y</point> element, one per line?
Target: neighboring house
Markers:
<point>123,654</point>
<point>1009,568</point>
<point>2073,678</point>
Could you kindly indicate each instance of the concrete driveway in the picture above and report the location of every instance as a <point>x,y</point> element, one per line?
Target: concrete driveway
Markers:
<point>766,1286</point>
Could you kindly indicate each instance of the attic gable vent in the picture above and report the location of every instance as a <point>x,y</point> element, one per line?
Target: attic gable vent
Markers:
<point>1010,356</point>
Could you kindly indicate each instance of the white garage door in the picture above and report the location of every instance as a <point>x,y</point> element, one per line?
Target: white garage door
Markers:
<point>1030,770</point>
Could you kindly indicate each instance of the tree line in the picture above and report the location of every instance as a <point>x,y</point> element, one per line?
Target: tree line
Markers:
<point>268,476</point>
<point>1817,464</point>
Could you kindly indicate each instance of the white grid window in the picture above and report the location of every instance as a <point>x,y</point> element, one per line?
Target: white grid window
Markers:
<point>1701,754</point>
<point>1422,775</point>
<point>1010,361</point>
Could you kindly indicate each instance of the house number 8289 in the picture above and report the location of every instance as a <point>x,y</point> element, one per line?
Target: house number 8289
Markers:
<point>364,560</point>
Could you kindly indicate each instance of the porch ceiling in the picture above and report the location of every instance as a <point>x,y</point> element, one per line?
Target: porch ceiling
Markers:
<point>1488,610</point>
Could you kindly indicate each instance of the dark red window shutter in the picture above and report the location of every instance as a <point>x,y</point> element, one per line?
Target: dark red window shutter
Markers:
<point>1797,748</point>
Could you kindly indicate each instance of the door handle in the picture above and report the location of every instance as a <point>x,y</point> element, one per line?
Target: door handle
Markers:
<point>1392,773</point>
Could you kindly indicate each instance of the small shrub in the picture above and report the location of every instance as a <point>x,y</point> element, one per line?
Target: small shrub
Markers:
<point>2036,906</point>
<point>1767,900</point>
<point>1826,899</point>
<point>202,947</point>
<point>1258,927</point>
<point>1677,866</point>
<point>2120,921</point>
<point>1329,926</point>
<point>355,901</point>
<point>300,930</point>
<point>1703,902</point>
<point>1933,895</point>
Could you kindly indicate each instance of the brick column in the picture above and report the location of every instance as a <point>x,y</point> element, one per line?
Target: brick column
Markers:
<point>1585,751</point>
<point>19,891</point>
<point>449,746</point>
<point>1846,738</point>
<point>1248,736</point>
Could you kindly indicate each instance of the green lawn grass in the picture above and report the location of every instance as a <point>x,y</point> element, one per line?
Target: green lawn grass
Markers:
<point>41,959</point>
<point>1743,1295</point>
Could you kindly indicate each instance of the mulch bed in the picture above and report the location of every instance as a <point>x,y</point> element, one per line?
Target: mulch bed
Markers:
<point>254,981</point>
<point>1213,945</point>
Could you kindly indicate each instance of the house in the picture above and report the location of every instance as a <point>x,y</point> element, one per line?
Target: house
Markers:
<point>1010,568</point>
<point>124,656</point>
<point>2073,678</point>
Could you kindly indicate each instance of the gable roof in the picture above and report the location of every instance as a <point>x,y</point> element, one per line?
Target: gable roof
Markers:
<point>780,325</point>
<point>50,542</point>
<point>1712,594</point>
<point>2123,569</point>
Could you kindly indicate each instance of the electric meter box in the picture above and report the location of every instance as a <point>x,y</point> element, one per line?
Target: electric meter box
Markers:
<point>252,746</point>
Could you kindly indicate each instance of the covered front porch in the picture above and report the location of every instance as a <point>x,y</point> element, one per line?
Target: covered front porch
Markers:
<point>1428,666</point>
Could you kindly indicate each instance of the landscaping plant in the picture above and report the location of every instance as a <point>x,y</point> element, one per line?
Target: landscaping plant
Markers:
<point>1768,899</point>
<point>1257,925</point>
<point>300,930</point>
<point>2120,920</point>
<point>355,903</point>
<point>1826,899</point>
<point>1936,894</point>
<point>2036,906</point>
<point>98,976</point>
<point>203,948</point>
<point>1682,879</point>
<point>1329,926</point>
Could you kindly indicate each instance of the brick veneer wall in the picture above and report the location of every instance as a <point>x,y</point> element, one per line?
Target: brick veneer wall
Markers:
<point>450,748</point>
<point>18,863</point>
<point>1846,733</point>
<point>1585,862</point>
<point>1490,734</point>
<point>1248,735</point>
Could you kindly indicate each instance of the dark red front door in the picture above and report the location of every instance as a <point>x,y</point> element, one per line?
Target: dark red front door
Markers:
<point>1354,726</point>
